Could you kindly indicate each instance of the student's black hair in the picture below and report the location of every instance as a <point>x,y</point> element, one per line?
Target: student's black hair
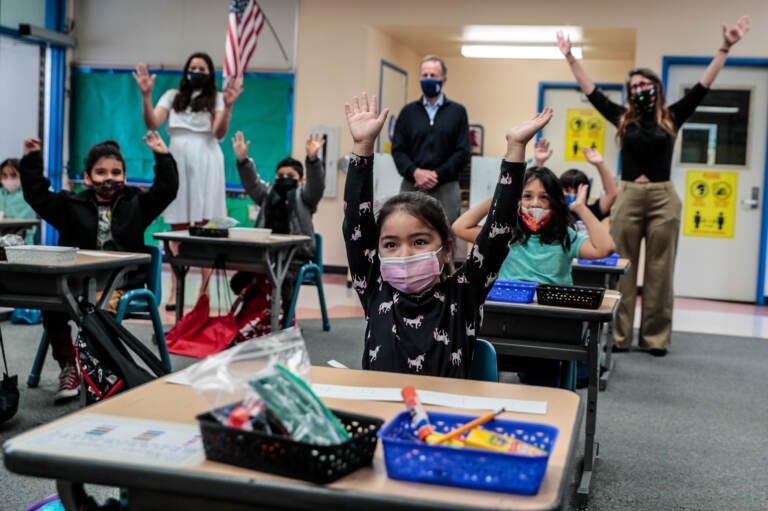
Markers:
<point>556,230</point>
<point>105,149</point>
<point>424,207</point>
<point>293,163</point>
<point>572,178</point>
<point>14,163</point>
<point>206,100</point>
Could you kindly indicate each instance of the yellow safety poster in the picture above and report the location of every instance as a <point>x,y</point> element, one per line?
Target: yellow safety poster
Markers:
<point>710,203</point>
<point>586,128</point>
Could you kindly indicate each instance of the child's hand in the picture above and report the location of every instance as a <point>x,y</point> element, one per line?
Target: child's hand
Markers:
<point>541,152</point>
<point>32,144</point>
<point>593,156</point>
<point>155,142</point>
<point>240,146</point>
<point>232,91</point>
<point>364,124</point>
<point>581,197</point>
<point>525,131</point>
<point>314,143</point>
<point>144,80</point>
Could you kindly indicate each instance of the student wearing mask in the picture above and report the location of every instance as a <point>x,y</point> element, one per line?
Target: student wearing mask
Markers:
<point>12,203</point>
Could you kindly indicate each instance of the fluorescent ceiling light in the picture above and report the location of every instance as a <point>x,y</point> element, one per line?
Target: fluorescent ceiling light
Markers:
<point>530,34</point>
<point>499,51</point>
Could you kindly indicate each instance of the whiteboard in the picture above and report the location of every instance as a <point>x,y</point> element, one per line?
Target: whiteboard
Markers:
<point>19,95</point>
<point>484,176</point>
<point>393,94</point>
<point>386,180</point>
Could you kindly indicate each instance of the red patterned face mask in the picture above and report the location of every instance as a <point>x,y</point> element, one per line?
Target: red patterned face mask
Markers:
<point>535,218</point>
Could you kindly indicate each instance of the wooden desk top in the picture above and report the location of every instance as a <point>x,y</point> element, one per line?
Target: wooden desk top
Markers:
<point>237,237</point>
<point>12,223</point>
<point>85,260</point>
<point>369,486</point>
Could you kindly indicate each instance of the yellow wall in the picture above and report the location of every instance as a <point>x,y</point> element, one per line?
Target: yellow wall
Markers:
<point>340,49</point>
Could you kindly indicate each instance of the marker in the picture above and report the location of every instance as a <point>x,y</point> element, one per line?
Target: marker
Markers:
<point>469,425</point>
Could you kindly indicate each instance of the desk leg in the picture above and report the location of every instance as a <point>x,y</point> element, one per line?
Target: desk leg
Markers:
<point>612,283</point>
<point>590,446</point>
<point>72,495</point>
<point>181,276</point>
<point>277,270</point>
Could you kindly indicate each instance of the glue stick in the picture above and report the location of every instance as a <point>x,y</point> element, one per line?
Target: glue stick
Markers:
<point>419,418</point>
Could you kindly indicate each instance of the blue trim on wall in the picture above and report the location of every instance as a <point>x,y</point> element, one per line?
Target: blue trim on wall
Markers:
<point>738,62</point>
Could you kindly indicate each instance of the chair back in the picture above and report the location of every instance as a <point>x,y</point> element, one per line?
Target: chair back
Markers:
<point>155,271</point>
<point>484,366</point>
<point>319,250</point>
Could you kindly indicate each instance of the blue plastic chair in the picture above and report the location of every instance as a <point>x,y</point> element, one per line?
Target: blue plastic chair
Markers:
<point>135,304</point>
<point>484,366</point>
<point>311,274</point>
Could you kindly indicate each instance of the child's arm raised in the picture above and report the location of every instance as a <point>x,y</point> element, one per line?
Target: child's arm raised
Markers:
<point>313,188</point>
<point>610,189</point>
<point>359,227</point>
<point>166,182</point>
<point>35,186</point>
<point>492,244</point>
<point>467,226</point>
<point>253,185</point>
<point>599,244</point>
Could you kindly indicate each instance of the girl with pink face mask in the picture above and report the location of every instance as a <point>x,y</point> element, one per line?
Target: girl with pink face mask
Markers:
<point>12,203</point>
<point>422,318</point>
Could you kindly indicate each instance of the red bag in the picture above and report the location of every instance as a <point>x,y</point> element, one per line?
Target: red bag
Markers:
<point>197,334</point>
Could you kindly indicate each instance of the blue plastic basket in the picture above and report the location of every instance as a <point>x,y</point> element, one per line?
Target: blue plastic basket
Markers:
<point>410,460</point>
<point>512,291</point>
<point>611,260</point>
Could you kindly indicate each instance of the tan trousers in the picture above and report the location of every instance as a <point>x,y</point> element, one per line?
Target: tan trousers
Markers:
<point>651,211</point>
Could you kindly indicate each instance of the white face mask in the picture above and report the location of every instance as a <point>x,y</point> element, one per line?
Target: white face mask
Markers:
<point>11,185</point>
<point>412,274</point>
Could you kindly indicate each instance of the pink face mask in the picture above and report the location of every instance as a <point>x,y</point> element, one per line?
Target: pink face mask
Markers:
<point>11,185</point>
<point>412,274</point>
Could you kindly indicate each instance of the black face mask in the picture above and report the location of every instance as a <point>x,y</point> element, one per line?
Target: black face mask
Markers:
<point>284,185</point>
<point>645,100</point>
<point>197,80</point>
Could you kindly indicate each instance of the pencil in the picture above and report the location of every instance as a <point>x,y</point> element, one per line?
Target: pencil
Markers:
<point>469,425</point>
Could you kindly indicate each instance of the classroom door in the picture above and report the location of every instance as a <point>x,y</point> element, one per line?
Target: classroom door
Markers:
<point>718,170</point>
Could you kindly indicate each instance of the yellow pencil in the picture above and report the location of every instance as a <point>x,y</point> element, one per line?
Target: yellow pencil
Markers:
<point>466,427</point>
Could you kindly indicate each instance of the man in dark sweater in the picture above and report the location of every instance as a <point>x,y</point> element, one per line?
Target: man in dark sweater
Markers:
<point>430,144</point>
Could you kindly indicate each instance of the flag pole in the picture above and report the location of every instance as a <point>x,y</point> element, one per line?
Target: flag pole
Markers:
<point>269,24</point>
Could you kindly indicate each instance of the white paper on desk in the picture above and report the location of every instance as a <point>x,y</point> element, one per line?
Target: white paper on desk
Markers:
<point>123,439</point>
<point>429,397</point>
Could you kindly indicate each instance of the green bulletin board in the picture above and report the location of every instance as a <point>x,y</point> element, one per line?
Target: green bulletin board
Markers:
<point>106,104</point>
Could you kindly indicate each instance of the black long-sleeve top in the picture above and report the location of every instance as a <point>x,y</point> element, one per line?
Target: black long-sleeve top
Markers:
<point>442,145</point>
<point>646,148</point>
<point>433,332</point>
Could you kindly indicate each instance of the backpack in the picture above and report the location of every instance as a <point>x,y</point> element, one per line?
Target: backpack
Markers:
<point>9,390</point>
<point>105,355</point>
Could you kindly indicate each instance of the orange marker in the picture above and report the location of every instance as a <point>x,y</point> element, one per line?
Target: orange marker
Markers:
<point>466,427</point>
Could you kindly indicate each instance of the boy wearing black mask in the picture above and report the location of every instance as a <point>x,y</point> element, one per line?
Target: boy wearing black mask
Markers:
<point>286,206</point>
<point>107,215</point>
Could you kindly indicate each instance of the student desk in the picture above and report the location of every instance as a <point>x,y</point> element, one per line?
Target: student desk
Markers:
<point>207,485</point>
<point>62,286</point>
<point>242,250</point>
<point>599,275</point>
<point>541,331</point>
<point>13,224</point>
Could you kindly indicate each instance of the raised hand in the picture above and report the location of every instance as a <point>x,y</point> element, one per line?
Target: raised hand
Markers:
<point>232,91</point>
<point>541,152</point>
<point>314,143</point>
<point>363,121</point>
<point>524,131</point>
<point>240,146</point>
<point>593,156</point>
<point>564,43</point>
<point>581,196</point>
<point>734,34</point>
<point>155,142</point>
<point>32,144</point>
<point>144,80</point>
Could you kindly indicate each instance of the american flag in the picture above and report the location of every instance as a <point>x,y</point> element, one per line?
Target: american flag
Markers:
<point>245,23</point>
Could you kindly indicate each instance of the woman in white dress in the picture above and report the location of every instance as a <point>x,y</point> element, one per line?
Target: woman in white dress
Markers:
<point>198,117</point>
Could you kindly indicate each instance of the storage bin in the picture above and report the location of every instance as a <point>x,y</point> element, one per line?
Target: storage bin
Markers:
<point>512,291</point>
<point>582,297</point>
<point>408,459</point>
<point>40,254</point>
<point>611,260</point>
<point>286,457</point>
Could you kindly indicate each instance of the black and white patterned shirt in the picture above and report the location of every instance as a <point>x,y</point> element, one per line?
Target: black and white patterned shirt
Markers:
<point>431,333</point>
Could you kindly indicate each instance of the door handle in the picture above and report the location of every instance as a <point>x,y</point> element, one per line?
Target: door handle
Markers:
<point>753,201</point>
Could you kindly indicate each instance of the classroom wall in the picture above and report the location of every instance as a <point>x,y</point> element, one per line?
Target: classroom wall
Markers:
<point>339,45</point>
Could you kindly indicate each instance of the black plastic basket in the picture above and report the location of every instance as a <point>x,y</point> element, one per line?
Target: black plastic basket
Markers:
<point>209,232</point>
<point>286,457</point>
<point>582,297</point>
